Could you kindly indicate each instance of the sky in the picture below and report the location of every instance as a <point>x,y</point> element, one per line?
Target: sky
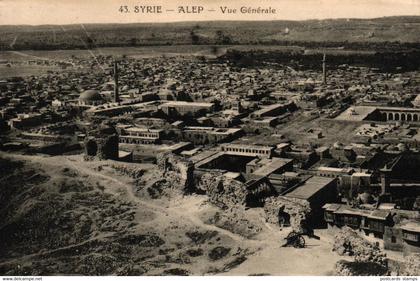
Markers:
<point>37,12</point>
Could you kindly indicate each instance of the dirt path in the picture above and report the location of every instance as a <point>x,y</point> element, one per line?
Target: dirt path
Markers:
<point>315,259</point>
<point>184,212</point>
<point>271,258</point>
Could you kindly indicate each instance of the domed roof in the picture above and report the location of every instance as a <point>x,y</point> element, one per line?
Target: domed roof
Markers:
<point>416,101</point>
<point>90,95</point>
<point>365,198</point>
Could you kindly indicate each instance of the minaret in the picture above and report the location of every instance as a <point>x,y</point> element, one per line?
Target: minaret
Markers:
<point>385,183</point>
<point>116,94</point>
<point>324,70</point>
<point>385,195</point>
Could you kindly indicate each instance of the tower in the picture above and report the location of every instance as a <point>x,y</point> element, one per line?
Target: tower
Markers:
<point>324,70</point>
<point>116,94</point>
<point>385,182</point>
<point>385,195</point>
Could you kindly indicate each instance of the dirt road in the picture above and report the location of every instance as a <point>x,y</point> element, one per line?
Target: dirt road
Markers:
<point>268,256</point>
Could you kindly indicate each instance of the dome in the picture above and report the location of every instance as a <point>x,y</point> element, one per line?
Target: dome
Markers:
<point>90,95</point>
<point>365,198</point>
<point>416,101</point>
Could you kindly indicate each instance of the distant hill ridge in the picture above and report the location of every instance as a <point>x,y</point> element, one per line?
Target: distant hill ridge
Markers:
<point>403,30</point>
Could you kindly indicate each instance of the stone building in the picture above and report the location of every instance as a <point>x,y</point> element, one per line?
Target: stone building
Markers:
<point>101,143</point>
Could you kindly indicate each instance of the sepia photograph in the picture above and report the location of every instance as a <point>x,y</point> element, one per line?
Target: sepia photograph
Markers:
<point>209,138</point>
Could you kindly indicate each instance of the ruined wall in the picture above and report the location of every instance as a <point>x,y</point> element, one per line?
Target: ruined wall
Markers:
<point>176,170</point>
<point>172,175</point>
<point>101,143</point>
<point>299,211</point>
<point>393,239</point>
<point>223,191</point>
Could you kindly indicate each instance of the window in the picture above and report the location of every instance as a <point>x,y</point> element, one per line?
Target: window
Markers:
<point>329,217</point>
<point>410,236</point>
<point>393,239</point>
<point>351,220</point>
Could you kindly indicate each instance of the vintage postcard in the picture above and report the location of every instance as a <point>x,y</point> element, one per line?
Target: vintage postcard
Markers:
<point>209,138</point>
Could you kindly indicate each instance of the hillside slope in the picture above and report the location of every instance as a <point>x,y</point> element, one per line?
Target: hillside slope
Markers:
<point>404,30</point>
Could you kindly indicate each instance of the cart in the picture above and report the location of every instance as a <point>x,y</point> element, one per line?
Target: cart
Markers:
<point>294,239</point>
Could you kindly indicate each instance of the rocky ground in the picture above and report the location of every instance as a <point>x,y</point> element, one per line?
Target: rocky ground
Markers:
<point>62,215</point>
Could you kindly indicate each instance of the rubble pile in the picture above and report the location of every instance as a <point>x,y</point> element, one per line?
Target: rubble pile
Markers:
<point>298,210</point>
<point>348,242</point>
<point>134,173</point>
<point>369,259</point>
<point>349,268</point>
<point>236,221</point>
<point>223,191</point>
<point>411,265</point>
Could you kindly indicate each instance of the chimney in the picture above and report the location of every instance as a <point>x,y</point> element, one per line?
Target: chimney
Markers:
<point>116,94</point>
<point>324,70</point>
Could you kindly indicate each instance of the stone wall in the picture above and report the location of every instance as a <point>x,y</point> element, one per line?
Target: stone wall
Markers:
<point>298,210</point>
<point>176,170</point>
<point>101,143</point>
<point>222,191</point>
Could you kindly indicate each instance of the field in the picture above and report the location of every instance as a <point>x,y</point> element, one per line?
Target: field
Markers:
<point>144,51</point>
<point>358,32</point>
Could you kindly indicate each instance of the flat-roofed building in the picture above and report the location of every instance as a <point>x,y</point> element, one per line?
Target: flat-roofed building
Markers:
<point>370,221</point>
<point>148,152</point>
<point>317,191</point>
<point>25,121</point>
<point>210,135</point>
<point>333,172</point>
<point>265,167</point>
<point>139,135</point>
<point>248,150</point>
<point>183,108</point>
<point>273,110</point>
